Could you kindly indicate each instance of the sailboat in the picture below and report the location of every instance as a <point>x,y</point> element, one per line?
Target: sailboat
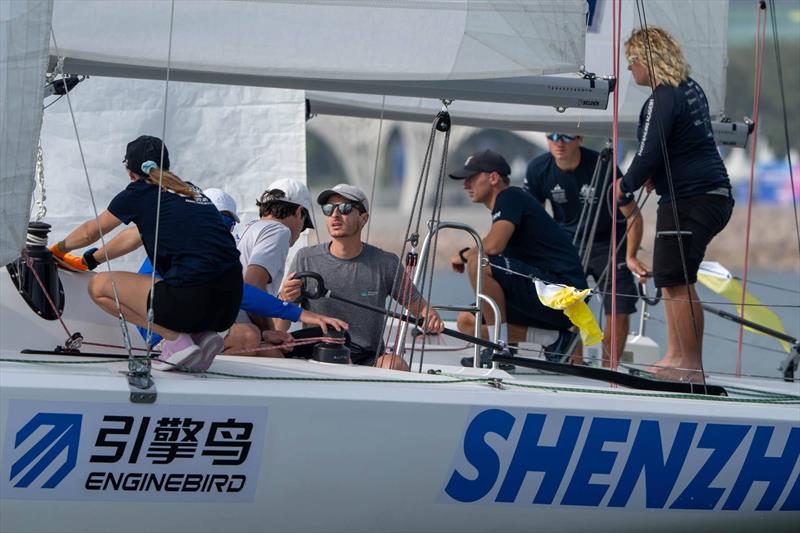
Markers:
<point>288,445</point>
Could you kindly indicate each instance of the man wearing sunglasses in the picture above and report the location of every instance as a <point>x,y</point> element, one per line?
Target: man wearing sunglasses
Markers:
<point>357,271</point>
<point>563,176</point>
<point>264,245</point>
<point>523,241</point>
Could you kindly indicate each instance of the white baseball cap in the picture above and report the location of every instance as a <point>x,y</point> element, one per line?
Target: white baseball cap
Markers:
<point>223,201</point>
<point>348,191</point>
<point>294,193</point>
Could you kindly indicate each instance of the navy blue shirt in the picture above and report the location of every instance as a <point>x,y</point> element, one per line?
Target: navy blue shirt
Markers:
<point>538,240</point>
<point>695,164</point>
<point>568,192</point>
<point>194,245</point>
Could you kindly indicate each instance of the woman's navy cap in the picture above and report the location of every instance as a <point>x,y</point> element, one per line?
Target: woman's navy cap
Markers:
<point>144,148</point>
<point>486,161</point>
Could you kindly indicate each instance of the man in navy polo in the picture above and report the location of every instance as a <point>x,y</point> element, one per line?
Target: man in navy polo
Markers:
<point>523,239</point>
<point>563,176</point>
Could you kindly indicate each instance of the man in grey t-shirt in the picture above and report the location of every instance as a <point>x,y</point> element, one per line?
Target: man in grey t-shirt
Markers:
<point>359,272</point>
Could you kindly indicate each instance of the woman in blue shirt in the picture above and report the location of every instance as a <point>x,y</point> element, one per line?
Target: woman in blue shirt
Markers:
<point>192,250</point>
<point>678,157</point>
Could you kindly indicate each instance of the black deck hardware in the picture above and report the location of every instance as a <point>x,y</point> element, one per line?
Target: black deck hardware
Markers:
<point>600,374</point>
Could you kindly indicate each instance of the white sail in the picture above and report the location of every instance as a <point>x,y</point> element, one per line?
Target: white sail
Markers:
<point>240,139</point>
<point>376,47</point>
<point>700,26</point>
<point>479,49</point>
<point>24,31</point>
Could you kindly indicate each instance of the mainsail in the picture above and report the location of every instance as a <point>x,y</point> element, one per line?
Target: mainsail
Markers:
<point>701,26</point>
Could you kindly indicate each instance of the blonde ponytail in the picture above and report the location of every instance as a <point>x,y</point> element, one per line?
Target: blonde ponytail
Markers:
<point>170,182</point>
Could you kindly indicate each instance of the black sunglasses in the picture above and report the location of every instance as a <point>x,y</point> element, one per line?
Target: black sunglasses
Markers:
<point>556,136</point>
<point>344,208</point>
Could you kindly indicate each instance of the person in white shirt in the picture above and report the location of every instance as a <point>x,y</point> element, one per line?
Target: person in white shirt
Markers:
<point>264,244</point>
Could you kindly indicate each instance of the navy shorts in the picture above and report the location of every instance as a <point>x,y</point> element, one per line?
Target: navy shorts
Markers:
<point>700,218</point>
<point>626,288</point>
<point>210,306</point>
<point>523,307</point>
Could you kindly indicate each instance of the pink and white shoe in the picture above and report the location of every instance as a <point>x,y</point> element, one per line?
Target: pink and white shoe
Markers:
<point>211,344</point>
<point>181,352</point>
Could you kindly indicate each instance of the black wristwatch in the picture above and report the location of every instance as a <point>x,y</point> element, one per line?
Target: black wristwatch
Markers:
<point>88,258</point>
<point>461,254</point>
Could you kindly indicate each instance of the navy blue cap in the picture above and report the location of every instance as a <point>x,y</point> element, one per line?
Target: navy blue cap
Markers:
<point>145,148</point>
<point>485,161</point>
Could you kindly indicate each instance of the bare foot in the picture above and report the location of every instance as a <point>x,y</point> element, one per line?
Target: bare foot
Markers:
<point>669,373</point>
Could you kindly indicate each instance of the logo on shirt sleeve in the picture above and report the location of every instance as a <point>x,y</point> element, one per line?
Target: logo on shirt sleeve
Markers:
<point>496,215</point>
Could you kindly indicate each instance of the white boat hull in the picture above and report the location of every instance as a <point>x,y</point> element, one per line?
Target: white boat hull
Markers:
<point>317,447</point>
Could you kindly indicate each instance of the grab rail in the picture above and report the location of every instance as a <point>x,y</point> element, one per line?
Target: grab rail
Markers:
<point>433,229</point>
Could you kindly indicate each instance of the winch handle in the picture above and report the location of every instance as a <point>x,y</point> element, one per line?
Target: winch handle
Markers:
<point>319,292</point>
<point>641,290</point>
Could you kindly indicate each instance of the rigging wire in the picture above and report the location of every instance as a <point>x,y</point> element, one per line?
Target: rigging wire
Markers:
<point>579,239</point>
<point>761,31</point>
<point>375,167</point>
<point>779,65</point>
<point>640,202</point>
<point>54,101</point>
<point>393,304</point>
<point>123,323</point>
<point>145,364</point>
<point>429,263</point>
<point>617,41</point>
<point>728,339</point>
<point>662,298</point>
<point>589,232</point>
<point>771,286</point>
<point>670,184</point>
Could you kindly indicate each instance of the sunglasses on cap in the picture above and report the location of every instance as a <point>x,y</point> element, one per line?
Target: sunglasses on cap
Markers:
<point>555,137</point>
<point>344,208</point>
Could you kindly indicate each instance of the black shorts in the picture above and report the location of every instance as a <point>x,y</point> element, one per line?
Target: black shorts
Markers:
<point>626,288</point>
<point>523,307</point>
<point>210,306</point>
<point>700,218</point>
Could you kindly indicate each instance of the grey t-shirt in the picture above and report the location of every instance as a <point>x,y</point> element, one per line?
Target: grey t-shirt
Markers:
<point>367,278</point>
